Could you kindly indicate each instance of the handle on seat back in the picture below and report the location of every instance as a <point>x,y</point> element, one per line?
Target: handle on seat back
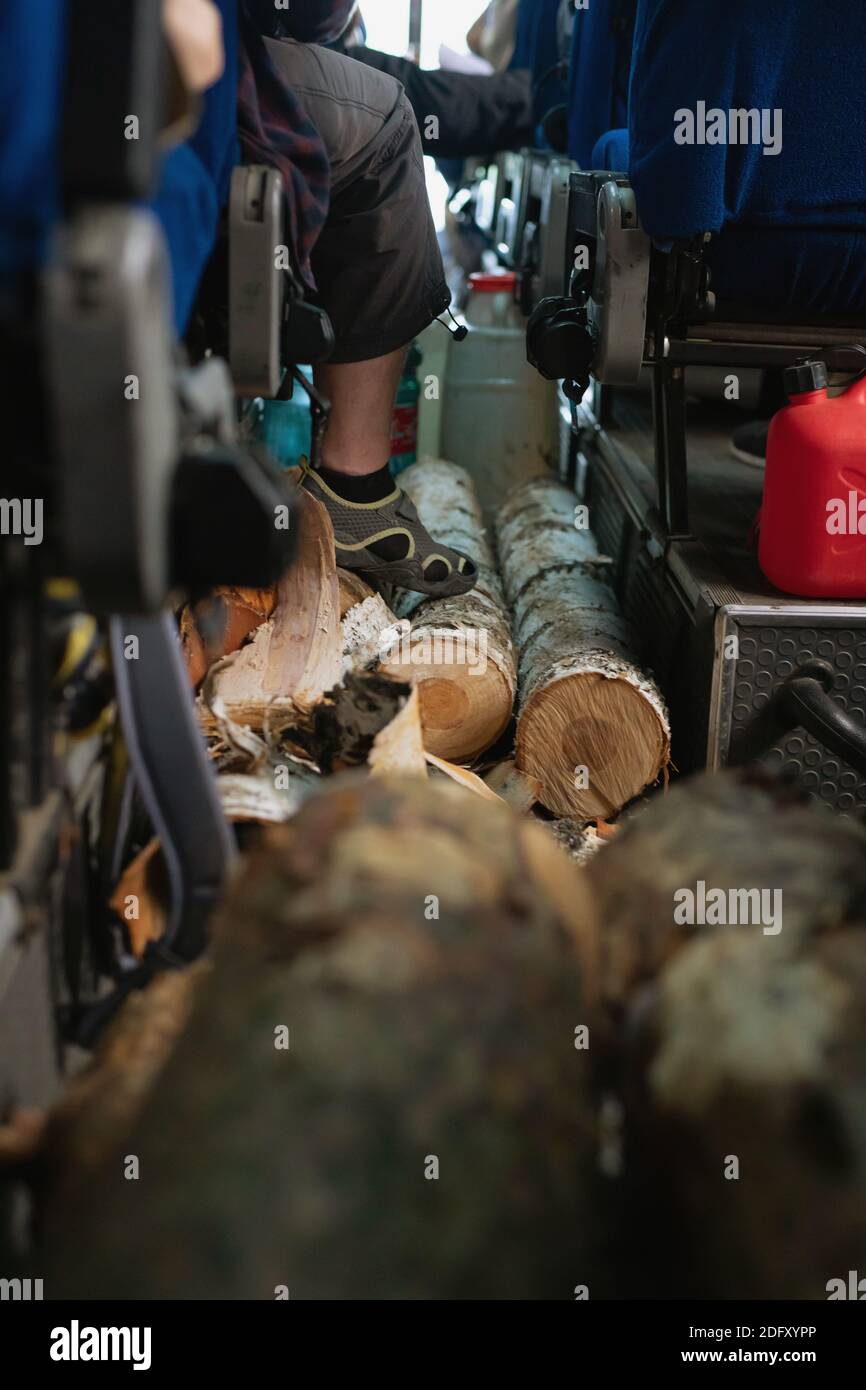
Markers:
<point>807,703</point>
<point>271,323</point>
<point>804,702</point>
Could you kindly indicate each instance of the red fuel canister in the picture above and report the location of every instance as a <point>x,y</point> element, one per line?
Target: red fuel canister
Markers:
<point>812,539</point>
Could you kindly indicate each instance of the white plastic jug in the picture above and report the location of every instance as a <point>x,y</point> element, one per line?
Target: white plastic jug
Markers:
<point>499,417</point>
<point>434,343</point>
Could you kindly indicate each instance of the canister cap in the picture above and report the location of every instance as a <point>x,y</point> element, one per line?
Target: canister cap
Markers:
<point>806,376</point>
<point>485,283</point>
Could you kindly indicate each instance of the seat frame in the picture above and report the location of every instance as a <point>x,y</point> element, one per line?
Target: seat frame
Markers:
<point>684,326</point>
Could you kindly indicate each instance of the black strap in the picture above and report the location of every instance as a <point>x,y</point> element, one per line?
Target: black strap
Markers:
<point>172,772</point>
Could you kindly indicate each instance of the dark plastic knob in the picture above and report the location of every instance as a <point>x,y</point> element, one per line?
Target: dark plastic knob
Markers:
<point>559,342</point>
<point>226,526</point>
<point>806,376</point>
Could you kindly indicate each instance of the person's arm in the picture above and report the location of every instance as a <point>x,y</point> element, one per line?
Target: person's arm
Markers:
<point>500,29</point>
<point>194,32</point>
<point>475,37</point>
<point>310,21</point>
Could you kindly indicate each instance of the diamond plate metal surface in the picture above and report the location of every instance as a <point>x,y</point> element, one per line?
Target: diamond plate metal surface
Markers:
<point>767,656</point>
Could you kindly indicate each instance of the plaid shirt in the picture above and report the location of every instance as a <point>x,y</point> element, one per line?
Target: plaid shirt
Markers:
<point>272,125</point>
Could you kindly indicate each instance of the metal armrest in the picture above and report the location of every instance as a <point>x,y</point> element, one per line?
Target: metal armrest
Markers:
<point>545,253</point>
<point>256,280</point>
<point>112,398</point>
<point>272,325</point>
<point>617,306</point>
<point>600,324</point>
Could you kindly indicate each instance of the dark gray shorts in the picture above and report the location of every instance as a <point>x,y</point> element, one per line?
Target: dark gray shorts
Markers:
<point>377,262</point>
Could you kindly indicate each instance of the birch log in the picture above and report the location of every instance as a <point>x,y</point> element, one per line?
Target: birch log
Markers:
<point>220,624</point>
<point>295,655</point>
<point>458,650</point>
<point>592,728</point>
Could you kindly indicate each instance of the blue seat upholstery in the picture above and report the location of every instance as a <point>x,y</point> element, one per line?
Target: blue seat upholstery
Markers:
<point>521,58</point>
<point>611,152</point>
<point>791,224</point>
<point>196,177</point>
<point>598,75</point>
<point>31,76</point>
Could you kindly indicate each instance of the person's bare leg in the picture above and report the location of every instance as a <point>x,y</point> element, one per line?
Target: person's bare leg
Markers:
<point>362,394</point>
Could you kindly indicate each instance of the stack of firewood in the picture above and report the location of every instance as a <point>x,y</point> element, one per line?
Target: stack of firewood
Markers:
<point>321,665</point>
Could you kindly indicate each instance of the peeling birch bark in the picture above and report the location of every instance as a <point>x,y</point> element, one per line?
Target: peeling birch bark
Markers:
<point>457,651</point>
<point>592,728</point>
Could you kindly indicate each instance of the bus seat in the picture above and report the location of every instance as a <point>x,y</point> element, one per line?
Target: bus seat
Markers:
<point>531,188</point>
<point>31,72</point>
<point>610,151</point>
<point>789,225</point>
<point>524,34</point>
<point>194,184</point>
<point>717,254</point>
<point>601,46</point>
<point>537,48</point>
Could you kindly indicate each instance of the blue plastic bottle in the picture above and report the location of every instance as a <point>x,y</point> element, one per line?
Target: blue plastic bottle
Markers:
<point>285,427</point>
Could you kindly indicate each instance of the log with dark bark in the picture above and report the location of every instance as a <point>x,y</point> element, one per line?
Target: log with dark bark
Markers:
<point>355,717</point>
<point>592,725</point>
<point>740,1048</point>
<point>426,1131</point>
<point>734,830</point>
<point>458,651</point>
<point>100,1104</point>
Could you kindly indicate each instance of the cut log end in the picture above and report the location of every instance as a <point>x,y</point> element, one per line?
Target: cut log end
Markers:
<point>593,743</point>
<point>463,709</point>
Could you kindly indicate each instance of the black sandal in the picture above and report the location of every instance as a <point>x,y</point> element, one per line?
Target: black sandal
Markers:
<point>427,567</point>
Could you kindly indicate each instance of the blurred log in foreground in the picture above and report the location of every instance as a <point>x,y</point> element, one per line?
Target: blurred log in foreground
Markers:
<point>741,1040</point>
<point>378,1094</point>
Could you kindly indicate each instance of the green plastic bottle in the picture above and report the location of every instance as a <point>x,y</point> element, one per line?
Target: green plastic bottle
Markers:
<point>404,426</point>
